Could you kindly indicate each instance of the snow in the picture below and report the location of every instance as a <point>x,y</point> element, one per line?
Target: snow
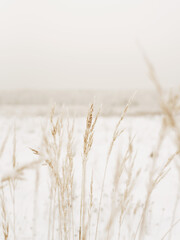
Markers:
<point>146,132</point>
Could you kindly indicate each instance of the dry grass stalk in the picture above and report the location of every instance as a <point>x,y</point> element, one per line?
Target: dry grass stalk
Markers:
<point>124,167</point>
<point>35,210</point>
<point>116,134</point>
<point>88,141</point>
<point>4,143</point>
<point>5,223</point>
<point>176,202</point>
<point>88,224</point>
<point>18,172</point>
<point>67,184</point>
<point>155,177</point>
<point>170,229</point>
<point>90,206</point>
<point>170,109</point>
<point>12,182</point>
<point>51,153</point>
<point>61,176</point>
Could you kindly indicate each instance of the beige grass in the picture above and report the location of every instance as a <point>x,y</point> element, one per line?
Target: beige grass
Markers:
<point>56,153</point>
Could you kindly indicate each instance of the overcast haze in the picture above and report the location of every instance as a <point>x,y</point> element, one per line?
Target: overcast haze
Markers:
<point>88,44</point>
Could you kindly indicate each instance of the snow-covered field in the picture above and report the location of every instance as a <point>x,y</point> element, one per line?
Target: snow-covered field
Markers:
<point>27,204</point>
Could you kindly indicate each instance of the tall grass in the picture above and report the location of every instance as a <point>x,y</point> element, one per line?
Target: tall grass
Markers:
<point>71,215</point>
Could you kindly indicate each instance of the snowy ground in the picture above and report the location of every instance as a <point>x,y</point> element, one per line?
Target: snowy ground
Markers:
<point>146,132</point>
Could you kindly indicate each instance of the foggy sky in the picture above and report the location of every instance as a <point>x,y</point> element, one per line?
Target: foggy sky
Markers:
<point>60,44</point>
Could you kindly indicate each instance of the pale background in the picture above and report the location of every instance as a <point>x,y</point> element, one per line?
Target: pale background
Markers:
<point>88,44</point>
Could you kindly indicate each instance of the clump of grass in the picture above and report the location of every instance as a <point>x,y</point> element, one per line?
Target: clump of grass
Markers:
<point>170,108</point>
<point>50,154</point>
<point>61,175</point>
<point>117,132</point>
<point>57,153</point>
<point>124,174</point>
<point>10,180</point>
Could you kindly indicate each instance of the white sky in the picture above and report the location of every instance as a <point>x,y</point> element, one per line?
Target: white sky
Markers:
<point>59,44</point>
